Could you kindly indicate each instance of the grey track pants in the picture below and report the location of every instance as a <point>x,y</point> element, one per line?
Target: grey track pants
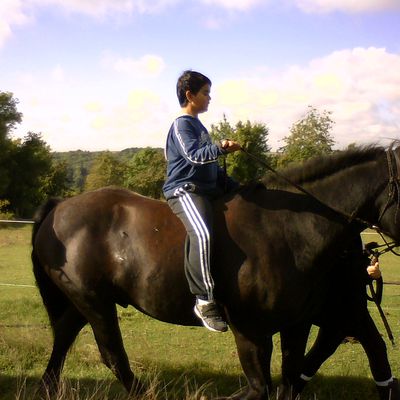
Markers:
<point>196,213</point>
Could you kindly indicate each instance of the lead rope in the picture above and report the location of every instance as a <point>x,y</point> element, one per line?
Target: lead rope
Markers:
<point>381,313</point>
<point>377,301</point>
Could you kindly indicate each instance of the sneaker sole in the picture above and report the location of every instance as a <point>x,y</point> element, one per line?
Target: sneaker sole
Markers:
<point>196,311</point>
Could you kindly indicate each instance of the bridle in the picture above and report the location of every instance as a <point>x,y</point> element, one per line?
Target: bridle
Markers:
<point>393,162</point>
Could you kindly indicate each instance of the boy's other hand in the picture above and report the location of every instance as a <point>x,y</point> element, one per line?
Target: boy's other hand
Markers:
<point>373,271</point>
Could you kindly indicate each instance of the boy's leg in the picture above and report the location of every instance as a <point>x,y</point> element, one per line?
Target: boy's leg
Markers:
<point>196,214</point>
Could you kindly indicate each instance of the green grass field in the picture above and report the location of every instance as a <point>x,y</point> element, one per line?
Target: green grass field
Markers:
<point>179,362</point>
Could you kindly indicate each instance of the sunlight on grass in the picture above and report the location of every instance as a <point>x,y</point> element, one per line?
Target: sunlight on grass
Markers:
<point>177,362</point>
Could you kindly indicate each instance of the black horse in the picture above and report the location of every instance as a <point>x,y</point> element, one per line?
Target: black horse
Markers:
<point>274,250</point>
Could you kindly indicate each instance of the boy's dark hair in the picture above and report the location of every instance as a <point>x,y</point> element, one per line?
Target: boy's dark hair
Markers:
<point>192,81</point>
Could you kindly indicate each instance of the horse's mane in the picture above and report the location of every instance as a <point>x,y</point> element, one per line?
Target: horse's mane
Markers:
<point>319,167</point>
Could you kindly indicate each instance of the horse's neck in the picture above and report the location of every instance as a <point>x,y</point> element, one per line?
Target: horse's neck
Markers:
<point>352,191</point>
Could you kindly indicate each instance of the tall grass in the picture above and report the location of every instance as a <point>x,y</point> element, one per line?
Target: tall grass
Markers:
<point>176,362</point>
<point>103,390</point>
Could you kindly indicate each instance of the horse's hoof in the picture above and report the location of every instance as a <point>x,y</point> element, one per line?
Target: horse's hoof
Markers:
<point>246,394</point>
<point>287,393</point>
<point>138,389</point>
<point>46,390</point>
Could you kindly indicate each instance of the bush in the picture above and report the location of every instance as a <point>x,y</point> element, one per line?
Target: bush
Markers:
<point>4,213</point>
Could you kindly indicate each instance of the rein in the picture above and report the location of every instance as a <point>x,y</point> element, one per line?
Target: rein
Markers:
<point>394,187</point>
<point>388,246</point>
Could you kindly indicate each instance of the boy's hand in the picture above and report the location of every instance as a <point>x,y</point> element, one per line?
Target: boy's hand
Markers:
<point>230,146</point>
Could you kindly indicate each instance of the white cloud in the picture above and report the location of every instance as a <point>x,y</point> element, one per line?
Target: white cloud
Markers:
<point>72,114</point>
<point>352,6</point>
<point>57,73</point>
<point>138,120</point>
<point>149,65</point>
<point>360,86</point>
<point>18,12</point>
<point>11,14</point>
<point>101,8</point>
<point>310,6</point>
<point>239,5</point>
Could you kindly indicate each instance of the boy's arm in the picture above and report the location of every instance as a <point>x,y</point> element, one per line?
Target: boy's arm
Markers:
<point>189,144</point>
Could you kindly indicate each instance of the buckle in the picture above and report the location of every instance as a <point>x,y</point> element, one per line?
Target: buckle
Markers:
<point>189,187</point>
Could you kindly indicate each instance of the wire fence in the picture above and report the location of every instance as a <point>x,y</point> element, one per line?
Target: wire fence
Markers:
<point>12,221</point>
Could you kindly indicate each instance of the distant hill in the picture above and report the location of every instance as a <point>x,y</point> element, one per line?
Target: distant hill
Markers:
<point>79,163</point>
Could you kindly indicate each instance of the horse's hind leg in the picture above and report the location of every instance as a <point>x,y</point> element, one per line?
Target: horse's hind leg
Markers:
<point>104,321</point>
<point>65,329</point>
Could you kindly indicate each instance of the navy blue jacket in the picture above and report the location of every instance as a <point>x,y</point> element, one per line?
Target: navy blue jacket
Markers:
<point>192,159</point>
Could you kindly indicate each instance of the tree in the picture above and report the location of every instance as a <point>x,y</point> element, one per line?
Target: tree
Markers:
<point>106,170</point>
<point>146,172</point>
<point>310,136</point>
<point>32,175</point>
<point>9,118</point>
<point>4,213</point>
<point>253,138</point>
<point>56,183</point>
<point>27,172</point>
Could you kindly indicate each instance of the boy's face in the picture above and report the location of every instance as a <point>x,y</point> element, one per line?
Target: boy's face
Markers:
<point>199,102</point>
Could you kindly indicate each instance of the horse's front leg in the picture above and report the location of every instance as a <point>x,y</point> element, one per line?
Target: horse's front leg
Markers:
<point>255,358</point>
<point>293,345</point>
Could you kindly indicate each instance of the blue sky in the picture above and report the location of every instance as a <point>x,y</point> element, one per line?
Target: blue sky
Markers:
<point>101,74</point>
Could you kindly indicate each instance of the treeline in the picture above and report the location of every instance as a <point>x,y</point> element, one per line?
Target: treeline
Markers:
<point>30,172</point>
<point>79,163</point>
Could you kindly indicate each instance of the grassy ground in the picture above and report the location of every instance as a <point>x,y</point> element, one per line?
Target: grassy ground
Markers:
<point>179,362</point>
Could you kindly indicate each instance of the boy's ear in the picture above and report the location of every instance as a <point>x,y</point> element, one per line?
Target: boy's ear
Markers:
<point>189,95</point>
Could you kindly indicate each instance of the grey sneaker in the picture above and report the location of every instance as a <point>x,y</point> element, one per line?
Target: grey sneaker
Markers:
<point>210,317</point>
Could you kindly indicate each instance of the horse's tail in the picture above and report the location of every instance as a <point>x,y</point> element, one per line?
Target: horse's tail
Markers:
<point>53,298</point>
